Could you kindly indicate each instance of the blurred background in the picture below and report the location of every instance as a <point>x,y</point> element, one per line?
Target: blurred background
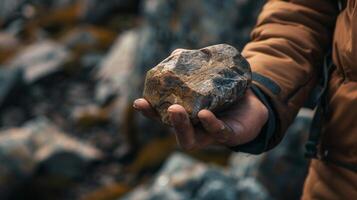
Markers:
<point>69,71</point>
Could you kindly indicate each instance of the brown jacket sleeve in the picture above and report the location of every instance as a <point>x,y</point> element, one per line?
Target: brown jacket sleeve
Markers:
<point>287,47</point>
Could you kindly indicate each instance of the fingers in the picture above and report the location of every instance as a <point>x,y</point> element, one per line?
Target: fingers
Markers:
<point>184,131</point>
<point>209,121</point>
<point>215,127</point>
<point>221,131</point>
<point>145,108</point>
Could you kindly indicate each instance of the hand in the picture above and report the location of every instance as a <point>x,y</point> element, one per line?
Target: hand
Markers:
<point>239,124</point>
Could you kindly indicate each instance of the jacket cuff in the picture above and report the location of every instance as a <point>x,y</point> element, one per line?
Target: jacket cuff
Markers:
<point>261,143</point>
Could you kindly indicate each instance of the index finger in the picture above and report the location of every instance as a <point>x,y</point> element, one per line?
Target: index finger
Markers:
<point>184,130</point>
<point>143,106</point>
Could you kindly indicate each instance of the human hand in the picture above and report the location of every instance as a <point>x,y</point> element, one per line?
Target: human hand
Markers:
<point>239,124</point>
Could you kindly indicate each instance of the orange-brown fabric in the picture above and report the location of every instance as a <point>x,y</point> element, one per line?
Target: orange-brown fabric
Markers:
<point>318,183</point>
<point>288,44</point>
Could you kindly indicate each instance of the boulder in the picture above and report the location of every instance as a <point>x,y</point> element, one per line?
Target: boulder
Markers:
<point>209,78</point>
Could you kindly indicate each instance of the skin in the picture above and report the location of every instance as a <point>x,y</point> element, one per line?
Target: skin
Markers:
<point>237,125</point>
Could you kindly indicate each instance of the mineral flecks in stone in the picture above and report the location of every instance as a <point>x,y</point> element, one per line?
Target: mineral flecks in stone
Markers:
<point>209,78</point>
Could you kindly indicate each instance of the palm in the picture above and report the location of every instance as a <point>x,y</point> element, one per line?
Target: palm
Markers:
<point>239,124</point>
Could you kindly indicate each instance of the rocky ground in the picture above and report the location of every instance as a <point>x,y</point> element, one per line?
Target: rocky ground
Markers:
<point>69,70</point>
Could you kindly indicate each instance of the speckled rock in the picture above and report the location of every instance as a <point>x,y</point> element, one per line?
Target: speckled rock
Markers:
<point>209,78</point>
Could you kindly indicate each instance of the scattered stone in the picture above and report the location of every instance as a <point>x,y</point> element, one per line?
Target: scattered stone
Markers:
<point>12,116</point>
<point>97,11</point>
<point>8,7</point>
<point>217,185</point>
<point>91,60</point>
<point>40,59</point>
<point>114,73</point>
<point>39,145</point>
<point>90,115</point>
<point>250,188</point>
<point>10,80</point>
<point>8,41</point>
<point>210,78</point>
<point>177,171</point>
<point>182,177</point>
<point>9,45</point>
<point>86,38</point>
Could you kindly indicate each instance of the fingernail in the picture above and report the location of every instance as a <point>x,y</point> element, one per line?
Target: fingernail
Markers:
<point>136,102</point>
<point>135,106</point>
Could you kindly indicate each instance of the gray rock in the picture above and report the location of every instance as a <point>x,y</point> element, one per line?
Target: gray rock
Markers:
<point>250,188</point>
<point>114,72</point>
<point>168,193</point>
<point>244,165</point>
<point>172,180</point>
<point>216,190</point>
<point>182,177</point>
<point>10,80</point>
<point>39,145</point>
<point>40,59</point>
<point>210,78</point>
<point>97,11</point>
<point>216,186</point>
<point>7,7</point>
<point>177,170</point>
<point>8,41</point>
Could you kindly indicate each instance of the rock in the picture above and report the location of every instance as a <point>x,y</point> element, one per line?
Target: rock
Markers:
<point>96,11</point>
<point>216,186</point>
<point>9,44</point>
<point>178,170</point>
<point>90,60</point>
<point>115,69</point>
<point>172,181</point>
<point>142,193</point>
<point>39,147</point>
<point>40,59</point>
<point>183,177</point>
<point>90,115</point>
<point>210,78</point>
<point>86,38</point>
<point>10,80</point>
<point>8,7</point>
<point>8,41</point>
<point>250,188</point>
<point>12,116</point>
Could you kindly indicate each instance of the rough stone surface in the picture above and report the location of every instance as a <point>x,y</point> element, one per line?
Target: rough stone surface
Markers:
<point>209,78</point>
